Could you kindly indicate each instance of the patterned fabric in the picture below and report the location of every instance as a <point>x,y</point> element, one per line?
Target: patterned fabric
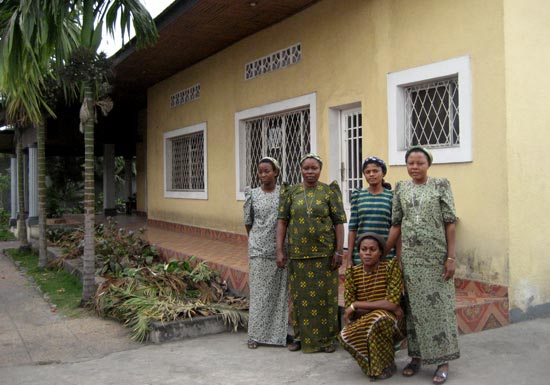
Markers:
<point>422,211</point>
<point>311,214</point>
<point>371,338</point>
<point>314,293</point>
<point>260,212</point>
<point>268,311</point>
<point>268,314</point>
<point>370,213</point>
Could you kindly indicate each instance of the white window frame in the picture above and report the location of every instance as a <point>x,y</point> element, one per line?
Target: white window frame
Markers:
<point>201,127</point>
<point>309,100</point>
<point>398,81</point>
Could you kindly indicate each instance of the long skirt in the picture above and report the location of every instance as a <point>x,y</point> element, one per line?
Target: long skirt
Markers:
<point>314,293</point>
<point>432,332</point>
<point>268,313</point>
<point>370,340</point>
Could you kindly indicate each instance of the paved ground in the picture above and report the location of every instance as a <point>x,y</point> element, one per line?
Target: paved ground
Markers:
<point>40,347</point>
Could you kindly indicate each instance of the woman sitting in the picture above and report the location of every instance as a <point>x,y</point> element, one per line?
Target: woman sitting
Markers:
<point>373,316</point>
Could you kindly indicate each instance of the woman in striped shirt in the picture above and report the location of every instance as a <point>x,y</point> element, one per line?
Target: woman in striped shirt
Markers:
<point>371,208</point>
<point>373,317</point>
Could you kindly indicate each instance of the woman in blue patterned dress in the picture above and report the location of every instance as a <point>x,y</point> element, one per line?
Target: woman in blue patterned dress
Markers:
<point>371,208</point>
<point>424,216</point>
<point>268,313</point>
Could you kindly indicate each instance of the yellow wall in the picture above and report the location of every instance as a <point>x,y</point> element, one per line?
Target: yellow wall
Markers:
<point>528,115</point>
<point>348,50</point>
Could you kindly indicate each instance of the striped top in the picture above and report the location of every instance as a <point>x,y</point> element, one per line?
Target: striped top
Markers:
<point>370,213</point>
<point>384,284</point>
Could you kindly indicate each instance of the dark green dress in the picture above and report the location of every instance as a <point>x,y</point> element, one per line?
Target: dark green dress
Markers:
<point>311,214</point>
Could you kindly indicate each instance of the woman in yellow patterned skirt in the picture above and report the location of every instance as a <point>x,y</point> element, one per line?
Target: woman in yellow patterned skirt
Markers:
<point>373,316</point>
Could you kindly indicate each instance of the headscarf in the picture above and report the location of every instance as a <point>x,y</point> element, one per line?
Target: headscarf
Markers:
<point>378,238</point>
<point>377,161</point>
<point>273,161</point>
<point>420,149</point>
<point>311,156</point>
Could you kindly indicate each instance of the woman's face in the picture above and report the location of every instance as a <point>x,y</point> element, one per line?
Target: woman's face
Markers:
<point>370,252</point>
<point>417,166</point>
<point>267,173</point>
<point>311,170</point>
<point>373,174</point>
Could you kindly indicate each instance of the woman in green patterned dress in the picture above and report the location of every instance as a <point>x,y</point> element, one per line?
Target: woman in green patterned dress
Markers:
<point>373,314</point>
<point>424,216</point>
<point>313,214</point>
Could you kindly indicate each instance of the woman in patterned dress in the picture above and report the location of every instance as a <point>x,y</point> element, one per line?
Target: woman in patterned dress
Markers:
<point>373,314</point>
<point>314,215</point>
<point>370,207</point>
<point>268,313</point>
<point>424,216</point>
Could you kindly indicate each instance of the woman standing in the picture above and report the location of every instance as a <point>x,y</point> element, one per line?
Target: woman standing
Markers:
<point>371,208</point>
<point>268,315</point>
<point>424,215</point>
<point>314,216</point>
<point>372,293</point>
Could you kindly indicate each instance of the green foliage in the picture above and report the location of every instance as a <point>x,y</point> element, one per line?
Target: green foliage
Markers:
<point>65,186</point>
<point>63,289</point>
<point>5,233</point>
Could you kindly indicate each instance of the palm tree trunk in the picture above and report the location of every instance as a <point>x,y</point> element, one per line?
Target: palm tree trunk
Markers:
<point>88,259</point>
<point>41,149</point>
<point>21,224</point>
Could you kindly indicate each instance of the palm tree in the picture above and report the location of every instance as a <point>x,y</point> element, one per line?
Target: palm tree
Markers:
<point>28,44</point>
<point>35,21</point>
<point>94,13</point>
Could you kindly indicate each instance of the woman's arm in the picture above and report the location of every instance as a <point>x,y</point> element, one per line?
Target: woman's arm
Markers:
<point>351,247</point>
<point>393,237</point>
<point>339,252</point>
<point>281,235</point>
<point>449,270</point>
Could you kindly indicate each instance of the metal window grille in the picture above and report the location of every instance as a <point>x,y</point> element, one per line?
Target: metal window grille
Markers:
<point>432,112</point>
<point>185,96</point>
<point>274,61</point>
<point>284,136</point>
<point>188,162</point>
<point>353,137</point>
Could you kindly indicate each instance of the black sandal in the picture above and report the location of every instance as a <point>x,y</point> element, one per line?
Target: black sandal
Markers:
<point>386,373</point>
<point>441,374</point>
<point>411,369</point>
<point>294,346</point>
<point>252,344</point>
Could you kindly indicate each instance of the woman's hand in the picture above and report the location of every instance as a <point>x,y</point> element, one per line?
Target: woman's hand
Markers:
<point>399,313</point>
<point>449,271</point>
<point>347,315</point>
<point>281,260</point>
<point>337,260</point>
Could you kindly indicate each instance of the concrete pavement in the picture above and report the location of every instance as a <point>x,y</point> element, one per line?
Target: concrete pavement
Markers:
<point>41,347</point>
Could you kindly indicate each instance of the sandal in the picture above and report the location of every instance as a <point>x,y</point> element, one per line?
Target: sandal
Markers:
<point>252,344</point>
<point>294,346</point>
<point>386,373</point>
<point>441,375</point>
<point>411,369</point>
<point>328,349</point>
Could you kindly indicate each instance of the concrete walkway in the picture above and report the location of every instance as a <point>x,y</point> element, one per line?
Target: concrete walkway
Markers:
<point>38,347</point>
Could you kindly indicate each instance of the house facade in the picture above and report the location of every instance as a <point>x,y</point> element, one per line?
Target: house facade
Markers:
<point>355,78</point>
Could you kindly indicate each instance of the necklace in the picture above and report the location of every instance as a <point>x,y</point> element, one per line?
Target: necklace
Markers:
<point>365,273</point>
<point>417,203</point>
<point>309,205</point>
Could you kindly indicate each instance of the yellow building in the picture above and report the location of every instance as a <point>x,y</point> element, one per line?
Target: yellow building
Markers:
<point>352,78</point>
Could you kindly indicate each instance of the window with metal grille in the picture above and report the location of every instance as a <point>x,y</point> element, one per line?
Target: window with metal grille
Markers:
<point>284,136</point>
<point>185,162</point>
<point>432,114</point>
<point>431,106</point>
<point>353,150</point>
